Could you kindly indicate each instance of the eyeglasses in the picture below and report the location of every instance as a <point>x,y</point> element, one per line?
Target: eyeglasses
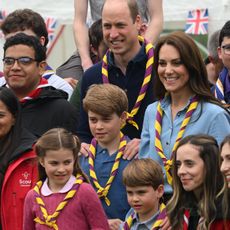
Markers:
<point>23,61</point>
<point>226,49</point>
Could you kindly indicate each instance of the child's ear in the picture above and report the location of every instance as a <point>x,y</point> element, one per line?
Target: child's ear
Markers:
<point>41,161</point>
<point>123,118</point>
<point>160,191</point>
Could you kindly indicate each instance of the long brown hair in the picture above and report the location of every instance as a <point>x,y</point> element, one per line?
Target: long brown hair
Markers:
<point>193,62</point>
<point>212,185</point>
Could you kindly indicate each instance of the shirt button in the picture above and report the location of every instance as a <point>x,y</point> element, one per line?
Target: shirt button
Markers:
<point>167,143</point>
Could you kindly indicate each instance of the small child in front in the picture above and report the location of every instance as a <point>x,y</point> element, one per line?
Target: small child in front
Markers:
<point>144,183</point>
<point>106,105</point>
<point>62,199</point>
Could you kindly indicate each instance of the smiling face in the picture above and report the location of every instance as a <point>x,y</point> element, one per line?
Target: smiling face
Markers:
<point>144,200</point>
<point>225,165</point>
<point>59,166</point>
<point>119,30</point>
<point>22,78</point>
<point>171,70</point>
<point>190,167</point>
<point>106,129</point>
<point>222,53</point>
<point>6,120</point>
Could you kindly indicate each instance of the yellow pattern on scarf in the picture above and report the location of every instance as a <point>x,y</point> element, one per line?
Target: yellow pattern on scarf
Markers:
<point>103,191</point>
<point>148,72</point>
<point>158,127</point>
<point>156,224</point>
<point>50,220</point>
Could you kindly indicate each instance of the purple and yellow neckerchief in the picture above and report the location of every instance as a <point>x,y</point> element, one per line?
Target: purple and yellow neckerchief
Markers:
<point>50,220</point>
<point>147,77</point>
<point>158,127</point>
<point>103,191</point>
<point>129,221</point>
<point>222,85</point>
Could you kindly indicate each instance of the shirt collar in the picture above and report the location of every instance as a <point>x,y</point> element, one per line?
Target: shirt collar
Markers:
<point>45,190</point>
<point>140,56</point>
<point>148,223</point>
<point>166,102</point>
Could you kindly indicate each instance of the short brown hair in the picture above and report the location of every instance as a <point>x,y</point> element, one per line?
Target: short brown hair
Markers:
<point>143,172</point>
<point>22,19</point>
<point>105,99</point>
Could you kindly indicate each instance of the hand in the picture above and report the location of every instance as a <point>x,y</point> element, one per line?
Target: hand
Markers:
<point>132,149</point>
<point>84,149</point>
<point>114,224</point>
<point>166,224</point>
<point>73,82</point>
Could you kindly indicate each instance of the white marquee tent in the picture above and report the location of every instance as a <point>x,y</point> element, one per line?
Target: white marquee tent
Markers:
<point>175,13</point>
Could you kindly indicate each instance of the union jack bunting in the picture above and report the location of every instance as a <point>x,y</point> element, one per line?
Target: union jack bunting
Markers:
<point>51,25</point>
<point>3,15</point>
<point>197,22</point>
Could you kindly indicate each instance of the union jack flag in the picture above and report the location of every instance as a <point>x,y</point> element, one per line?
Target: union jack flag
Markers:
<point>3,15</point>
<point>197,22</point>
<point>51,24</point>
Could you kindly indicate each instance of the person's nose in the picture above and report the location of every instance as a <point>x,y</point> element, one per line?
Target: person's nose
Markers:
<point>168,69</point>
<point>113,33</point>
<point>99,125</point>
<point>181,170</point>
<point>224,166</point>
<point>61,168</point>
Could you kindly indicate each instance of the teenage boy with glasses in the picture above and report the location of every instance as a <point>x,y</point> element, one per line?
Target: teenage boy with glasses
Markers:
<point>222,87</point>
<point>43,106</point>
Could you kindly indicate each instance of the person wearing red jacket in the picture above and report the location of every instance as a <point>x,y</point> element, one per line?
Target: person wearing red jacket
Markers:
<point>18,167</point>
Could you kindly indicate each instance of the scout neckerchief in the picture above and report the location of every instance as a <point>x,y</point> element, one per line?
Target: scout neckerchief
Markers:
<point>36,92</point>
<point>186,219</point>
<point>102,192</point>
<point>158,126</point>
<point>48,72</point>
<point>222,85</point>
<point>50,220</point>
<point>146,80</point>
<point>156,225</point>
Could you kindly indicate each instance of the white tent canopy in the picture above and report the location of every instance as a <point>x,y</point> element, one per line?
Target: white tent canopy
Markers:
<point>175,13</point>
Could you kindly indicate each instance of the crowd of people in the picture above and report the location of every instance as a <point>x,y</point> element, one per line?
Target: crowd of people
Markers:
<point>131,132</point>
